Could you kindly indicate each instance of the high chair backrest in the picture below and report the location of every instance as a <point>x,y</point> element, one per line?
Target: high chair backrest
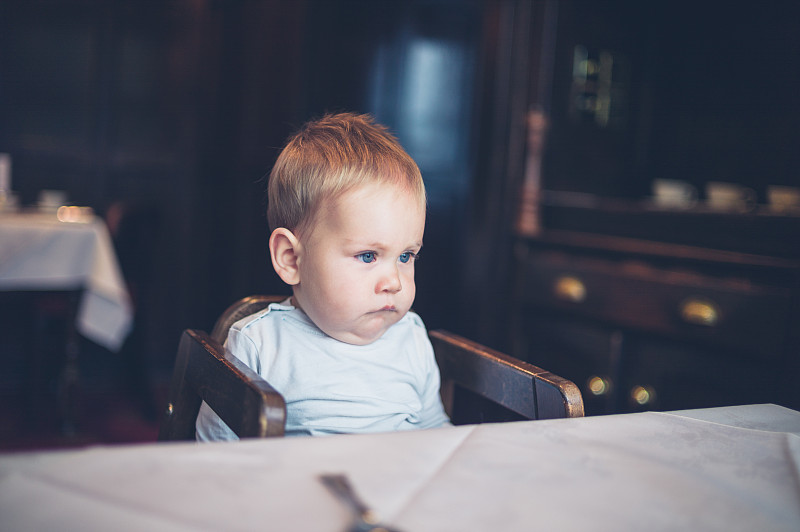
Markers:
<point>242,308</point>
<point>478,384</point>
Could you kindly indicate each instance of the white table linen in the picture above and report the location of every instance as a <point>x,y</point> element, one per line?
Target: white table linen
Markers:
<point>719,469</point>
<point>38,252</point>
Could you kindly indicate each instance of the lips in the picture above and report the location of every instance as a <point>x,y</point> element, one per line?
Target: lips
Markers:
<point>390,308</point>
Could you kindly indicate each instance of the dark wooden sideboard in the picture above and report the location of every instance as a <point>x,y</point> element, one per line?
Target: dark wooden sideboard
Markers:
<point>643,306</point>
<point>661,323</point>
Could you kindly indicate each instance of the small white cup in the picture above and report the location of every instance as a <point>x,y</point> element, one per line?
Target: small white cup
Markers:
<point>8,201</point>
<point>51,200</point>
<point>724,196</point>
<point>674,194</point>
<point>783,198</point>
<point>5,172</point>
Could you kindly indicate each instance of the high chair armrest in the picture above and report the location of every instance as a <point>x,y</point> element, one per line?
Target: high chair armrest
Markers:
<point>242,399</point>
<point>528,390</point>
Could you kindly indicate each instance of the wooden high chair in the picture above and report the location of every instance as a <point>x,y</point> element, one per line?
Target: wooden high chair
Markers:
<point>478,384</point>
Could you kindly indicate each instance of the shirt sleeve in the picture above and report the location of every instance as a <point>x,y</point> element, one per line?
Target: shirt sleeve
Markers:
<point>209,426</point>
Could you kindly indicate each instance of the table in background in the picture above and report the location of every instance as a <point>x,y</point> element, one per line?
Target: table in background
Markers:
<point>733,468</point>
<point>41,253</point>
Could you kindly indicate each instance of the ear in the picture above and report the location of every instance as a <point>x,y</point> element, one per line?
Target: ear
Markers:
<point>284,250</point>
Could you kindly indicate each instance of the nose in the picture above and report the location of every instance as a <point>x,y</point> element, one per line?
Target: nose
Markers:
<point>389,282</point>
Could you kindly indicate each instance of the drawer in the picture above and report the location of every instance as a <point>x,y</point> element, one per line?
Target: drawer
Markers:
<point>733,313</point>
<point>643,372</point>
<point>677,376</point>
<point>574,349</point>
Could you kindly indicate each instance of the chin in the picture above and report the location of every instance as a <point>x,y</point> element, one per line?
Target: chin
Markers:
<point>365,337</point>
<point>353,339</point>
<point>368,331</point>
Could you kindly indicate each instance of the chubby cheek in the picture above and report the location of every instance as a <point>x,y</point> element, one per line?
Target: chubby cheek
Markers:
<point>325,291</point>
<point>344,290</point>
<point>409,291</point>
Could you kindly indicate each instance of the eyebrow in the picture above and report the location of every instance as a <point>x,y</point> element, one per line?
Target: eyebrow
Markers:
<point>378,245</point>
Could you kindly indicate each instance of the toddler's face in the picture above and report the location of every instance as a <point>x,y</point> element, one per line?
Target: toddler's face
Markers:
<point>356,264</point>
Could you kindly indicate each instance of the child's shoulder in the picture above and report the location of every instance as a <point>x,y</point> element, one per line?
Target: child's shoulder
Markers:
<point>273,312</point>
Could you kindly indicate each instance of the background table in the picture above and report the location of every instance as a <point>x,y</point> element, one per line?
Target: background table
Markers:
<point>38,252</point>
<point>732,468</point>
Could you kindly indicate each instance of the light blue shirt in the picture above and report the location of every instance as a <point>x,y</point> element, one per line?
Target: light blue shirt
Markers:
<point>332,387</point>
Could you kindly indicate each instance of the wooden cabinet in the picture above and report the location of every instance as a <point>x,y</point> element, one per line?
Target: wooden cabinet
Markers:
<point>643,305</point>
<point>637,326</point>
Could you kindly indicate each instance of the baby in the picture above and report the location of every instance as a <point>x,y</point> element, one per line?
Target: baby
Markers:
<point>347,213</point>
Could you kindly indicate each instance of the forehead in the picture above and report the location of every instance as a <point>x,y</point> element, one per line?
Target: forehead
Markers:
<point>385,211</point>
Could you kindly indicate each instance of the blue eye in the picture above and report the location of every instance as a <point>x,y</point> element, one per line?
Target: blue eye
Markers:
<point>405,257</point>
<point>367,257</point>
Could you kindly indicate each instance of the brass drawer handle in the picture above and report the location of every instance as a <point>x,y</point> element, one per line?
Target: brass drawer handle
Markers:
<point>643,395</point>
<point>700,312</point>
<point>598,385</point>
<point>570,288</point>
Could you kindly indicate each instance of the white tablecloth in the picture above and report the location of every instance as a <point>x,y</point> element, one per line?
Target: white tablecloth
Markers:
<point>37,252</point>
<point>720,469</point>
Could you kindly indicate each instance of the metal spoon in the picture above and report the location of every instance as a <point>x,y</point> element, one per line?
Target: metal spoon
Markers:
<point>364,519</point>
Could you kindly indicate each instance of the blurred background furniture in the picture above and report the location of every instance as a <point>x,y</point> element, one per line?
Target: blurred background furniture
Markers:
<point>40,252</point>
<point>647,302</point>
<point>642,324</point>
<point>60,267</point>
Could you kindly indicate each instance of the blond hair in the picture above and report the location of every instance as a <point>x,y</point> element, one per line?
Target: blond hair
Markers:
<point>330,156</point>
